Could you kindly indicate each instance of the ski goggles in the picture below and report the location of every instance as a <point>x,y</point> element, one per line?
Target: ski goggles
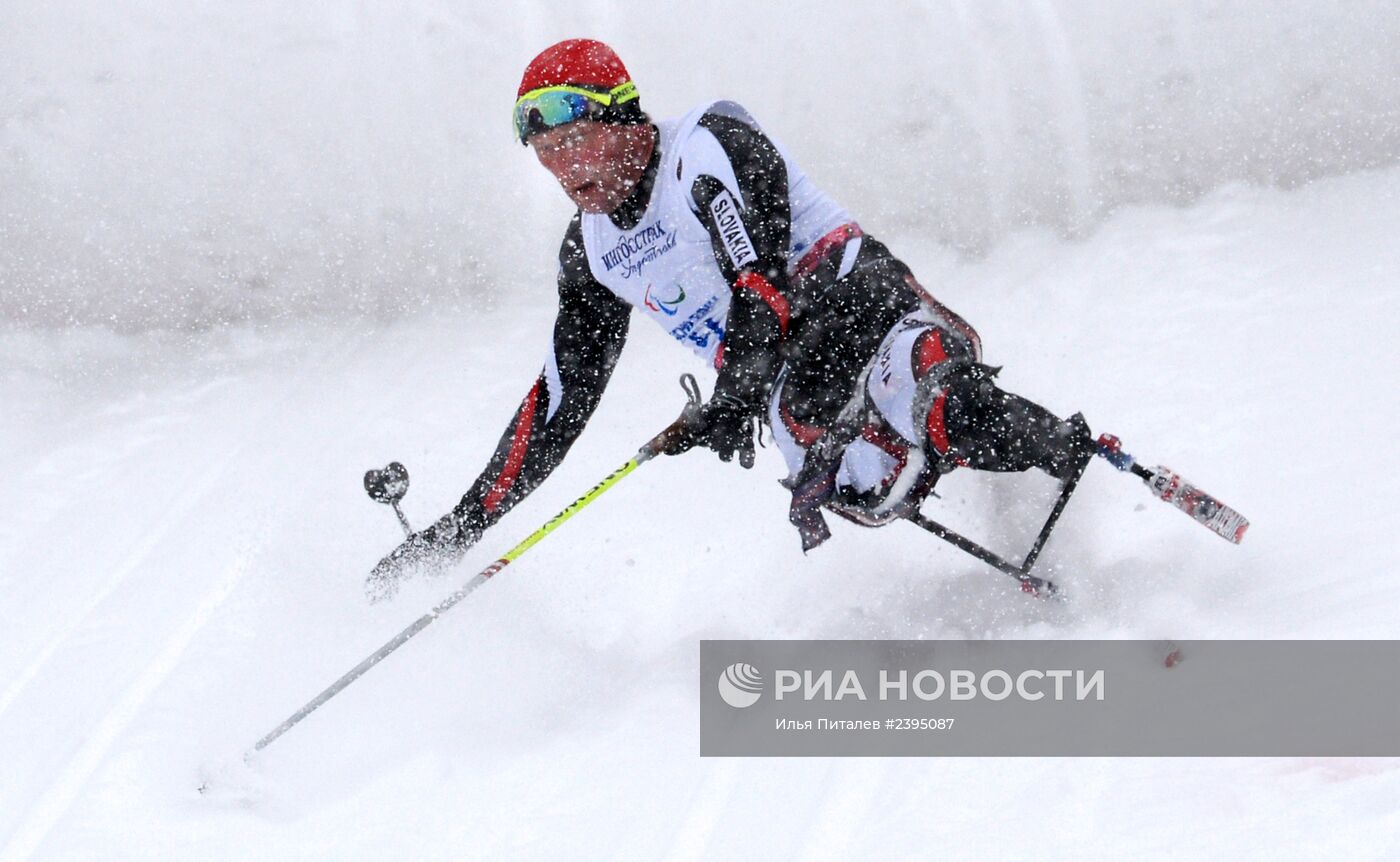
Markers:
<point>551,107</point>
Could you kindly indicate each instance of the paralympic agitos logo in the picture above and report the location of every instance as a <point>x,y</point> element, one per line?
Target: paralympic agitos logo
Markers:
<point>665,306</point>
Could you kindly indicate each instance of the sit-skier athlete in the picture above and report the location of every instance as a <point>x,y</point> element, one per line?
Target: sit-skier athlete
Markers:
<point>705,225</point>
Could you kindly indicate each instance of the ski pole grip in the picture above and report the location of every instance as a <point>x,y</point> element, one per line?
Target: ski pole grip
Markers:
<point>676,438</point>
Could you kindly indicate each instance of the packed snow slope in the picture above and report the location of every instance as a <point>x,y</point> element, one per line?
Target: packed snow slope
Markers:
<point>184,538</point>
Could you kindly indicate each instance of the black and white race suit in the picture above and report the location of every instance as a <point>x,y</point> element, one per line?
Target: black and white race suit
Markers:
<point>737,255</point>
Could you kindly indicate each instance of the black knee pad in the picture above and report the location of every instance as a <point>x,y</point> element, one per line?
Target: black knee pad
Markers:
<point>989,428</point>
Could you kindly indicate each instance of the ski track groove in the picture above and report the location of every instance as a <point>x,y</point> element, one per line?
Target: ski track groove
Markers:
<point>845,813</point>
<point>60,795</point>
<point>182,507</point>
<point>72,622</point>
<point>707,806</point>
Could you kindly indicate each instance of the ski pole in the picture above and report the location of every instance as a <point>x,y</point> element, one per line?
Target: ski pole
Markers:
<point>651,449</point>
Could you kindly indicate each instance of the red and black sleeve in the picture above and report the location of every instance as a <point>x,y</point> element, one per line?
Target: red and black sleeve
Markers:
<point>750,228</point>
<point>589,332</point>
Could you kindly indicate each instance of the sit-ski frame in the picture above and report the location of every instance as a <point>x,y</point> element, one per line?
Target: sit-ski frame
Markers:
<point>1030,583</point>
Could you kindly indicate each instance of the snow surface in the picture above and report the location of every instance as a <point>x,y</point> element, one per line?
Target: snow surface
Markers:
<point>184,537</point>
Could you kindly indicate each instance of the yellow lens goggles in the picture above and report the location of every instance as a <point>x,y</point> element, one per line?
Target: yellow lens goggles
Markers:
<point>550,107</point>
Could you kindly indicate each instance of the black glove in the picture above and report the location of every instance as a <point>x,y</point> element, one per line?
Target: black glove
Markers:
<point>429,551</point>
<point>450,533</point>
<point>727,426</point>
<point>724,424</point>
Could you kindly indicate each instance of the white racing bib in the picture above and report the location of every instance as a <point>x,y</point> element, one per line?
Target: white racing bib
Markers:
<point>665,266</point>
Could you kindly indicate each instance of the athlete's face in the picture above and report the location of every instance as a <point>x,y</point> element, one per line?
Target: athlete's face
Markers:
<point>598,164</point>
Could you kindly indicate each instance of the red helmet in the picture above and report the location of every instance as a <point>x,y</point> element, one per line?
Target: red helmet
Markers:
<point>573,80</point>
<point>581,62</point>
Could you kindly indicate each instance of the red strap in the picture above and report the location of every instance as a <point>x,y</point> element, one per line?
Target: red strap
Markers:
<point>876,434</point>
<point>891,445</point>
<point>805,435</point>
<point>956,322</point>
<point>937,430</point>
<point>768,293</point>
<point>825,246</point>
<point>515,458</point>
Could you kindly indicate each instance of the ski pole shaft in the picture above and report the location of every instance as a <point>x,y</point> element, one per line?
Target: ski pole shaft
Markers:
<point>446,604</point>
<point>403,520</point>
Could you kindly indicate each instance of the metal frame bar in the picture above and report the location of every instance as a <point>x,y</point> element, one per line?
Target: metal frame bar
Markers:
<point>1029,583</point>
